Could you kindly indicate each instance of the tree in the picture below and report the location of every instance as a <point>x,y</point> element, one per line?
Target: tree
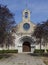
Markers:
<point>6,23</point>
<point>38,33</point>
<point>45,28</point>
<point>45,34</point>
<point>41,32</point>
<point>10,40</point>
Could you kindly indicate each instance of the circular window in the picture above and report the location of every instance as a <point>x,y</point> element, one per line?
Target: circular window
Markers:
<point>26,26</point>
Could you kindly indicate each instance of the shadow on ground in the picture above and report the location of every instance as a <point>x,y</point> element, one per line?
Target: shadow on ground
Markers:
<point>38,54</point>
<point>5,55</point>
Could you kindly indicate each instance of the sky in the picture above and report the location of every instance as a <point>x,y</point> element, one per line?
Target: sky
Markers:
<point>38,9</point>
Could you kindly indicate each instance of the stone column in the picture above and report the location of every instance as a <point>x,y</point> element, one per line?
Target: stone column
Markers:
<point>32,48</point>
<point>20,48</point>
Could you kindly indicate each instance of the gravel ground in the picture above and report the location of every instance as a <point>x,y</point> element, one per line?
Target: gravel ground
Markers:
<point>22,59</point>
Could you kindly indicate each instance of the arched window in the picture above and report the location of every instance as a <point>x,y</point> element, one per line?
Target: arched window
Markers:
<point>26,14</point>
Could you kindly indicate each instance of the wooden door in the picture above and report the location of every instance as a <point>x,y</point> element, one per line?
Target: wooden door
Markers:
<point>26,47</point>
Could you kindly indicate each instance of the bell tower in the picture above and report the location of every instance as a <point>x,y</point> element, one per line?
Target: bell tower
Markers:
<point>26,15</point>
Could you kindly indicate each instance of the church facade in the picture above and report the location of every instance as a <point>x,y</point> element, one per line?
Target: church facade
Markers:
<point>24,42</point>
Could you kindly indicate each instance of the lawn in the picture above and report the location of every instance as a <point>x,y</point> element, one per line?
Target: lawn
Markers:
<point>5,55</point>
<point>45,60</point>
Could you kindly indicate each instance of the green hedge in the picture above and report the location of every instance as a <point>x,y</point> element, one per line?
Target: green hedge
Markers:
<point>47,50</point>
<point>39,51</point>
<point>8,51</point>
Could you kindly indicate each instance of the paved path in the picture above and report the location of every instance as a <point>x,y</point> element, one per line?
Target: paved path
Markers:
<point>22,59</point>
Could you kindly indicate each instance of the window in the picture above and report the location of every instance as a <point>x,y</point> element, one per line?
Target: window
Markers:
<point>26,14</point>
<point>26,26</point>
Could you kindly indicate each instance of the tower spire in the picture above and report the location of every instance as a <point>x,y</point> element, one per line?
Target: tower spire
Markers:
<point>26,5</point>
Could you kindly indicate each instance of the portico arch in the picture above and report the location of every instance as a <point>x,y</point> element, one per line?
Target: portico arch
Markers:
<point>26,42</point>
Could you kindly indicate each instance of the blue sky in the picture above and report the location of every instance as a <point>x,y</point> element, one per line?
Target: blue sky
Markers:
<point>38,8</point>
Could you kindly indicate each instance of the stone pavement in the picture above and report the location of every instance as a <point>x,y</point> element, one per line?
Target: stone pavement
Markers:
<point>22,59</point>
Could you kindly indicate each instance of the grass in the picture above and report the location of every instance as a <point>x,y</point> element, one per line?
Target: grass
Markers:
<point>45,60</point>
<point>43,56</point>
<point>5,56</point>
<point>7,53</point>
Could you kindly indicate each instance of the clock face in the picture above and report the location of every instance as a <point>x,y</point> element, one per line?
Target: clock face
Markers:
<point>26,26</point>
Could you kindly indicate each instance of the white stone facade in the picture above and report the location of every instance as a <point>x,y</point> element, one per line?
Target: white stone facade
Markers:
<point>23,35</point>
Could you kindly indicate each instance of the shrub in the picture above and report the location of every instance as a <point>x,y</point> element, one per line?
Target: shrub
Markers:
<point>47,50</point>
<point>8,51</point>
<point>39,51</point>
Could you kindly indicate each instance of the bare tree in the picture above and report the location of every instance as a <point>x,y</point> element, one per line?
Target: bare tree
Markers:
<point>6,23</point>
<point>10,40</point>
<point>41,32</point>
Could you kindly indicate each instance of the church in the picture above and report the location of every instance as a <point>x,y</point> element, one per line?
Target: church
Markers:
<point>24,42</point>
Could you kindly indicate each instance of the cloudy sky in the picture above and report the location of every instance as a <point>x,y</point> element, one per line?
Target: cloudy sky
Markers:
<point>38,9</point>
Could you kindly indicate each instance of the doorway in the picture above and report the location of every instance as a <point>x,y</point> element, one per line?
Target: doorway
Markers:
<point>26,47</point>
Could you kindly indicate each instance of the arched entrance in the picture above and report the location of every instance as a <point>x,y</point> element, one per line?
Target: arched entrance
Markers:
<point>26,44</point>
<point>26,47</point>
